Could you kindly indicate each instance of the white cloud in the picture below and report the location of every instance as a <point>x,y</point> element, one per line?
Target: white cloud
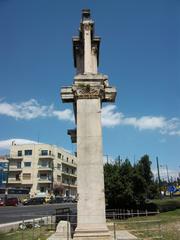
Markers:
<point>5,144</point>
<point>64,115</point>
<point>111,118</point>
<point>31,109</point>
<point>145,122</point>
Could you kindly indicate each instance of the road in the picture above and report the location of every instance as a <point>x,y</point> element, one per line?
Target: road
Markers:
<point>19,213</point>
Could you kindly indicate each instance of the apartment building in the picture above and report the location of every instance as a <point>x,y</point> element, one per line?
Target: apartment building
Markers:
<point>3,170</point>
<point>41,168</point>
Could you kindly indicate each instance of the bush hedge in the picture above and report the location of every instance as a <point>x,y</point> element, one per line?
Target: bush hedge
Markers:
<point>165,205</point>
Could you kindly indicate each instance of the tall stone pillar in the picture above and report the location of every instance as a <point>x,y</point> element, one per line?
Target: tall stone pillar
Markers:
<point>87,93</point>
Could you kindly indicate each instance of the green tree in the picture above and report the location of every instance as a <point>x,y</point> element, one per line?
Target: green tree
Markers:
<point>143,169</point>
<point>128,186</point>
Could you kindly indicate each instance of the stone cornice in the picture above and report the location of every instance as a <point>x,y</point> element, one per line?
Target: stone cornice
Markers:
<point>86,91</point>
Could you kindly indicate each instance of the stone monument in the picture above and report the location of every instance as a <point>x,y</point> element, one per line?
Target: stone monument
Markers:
<point>87,93</point>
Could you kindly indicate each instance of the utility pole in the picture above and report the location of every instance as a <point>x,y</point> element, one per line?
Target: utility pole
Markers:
<point>167,173</point>
<point>119,160</point>
<point>159,179</point>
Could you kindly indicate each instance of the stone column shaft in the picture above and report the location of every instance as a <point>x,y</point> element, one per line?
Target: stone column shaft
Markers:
<point>87,49</point>
<point>90,176</point>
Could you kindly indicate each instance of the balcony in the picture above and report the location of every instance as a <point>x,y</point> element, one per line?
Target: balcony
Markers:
<point>44,168</point>
<point>20,157</point>
<point>69,185</point>
<point>44,180</point>
<point>69,164</point>
<point>14,180</point>
<point>15,169</point>
<point>46,156</point>
<point>69,174</point>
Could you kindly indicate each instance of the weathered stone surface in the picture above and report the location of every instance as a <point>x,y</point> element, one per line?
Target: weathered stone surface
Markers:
<point>98,234</point>
<point>63,231</point>
<point>91,203</point>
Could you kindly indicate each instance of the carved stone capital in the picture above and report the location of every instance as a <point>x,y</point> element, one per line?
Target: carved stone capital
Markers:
<point>87,91</point>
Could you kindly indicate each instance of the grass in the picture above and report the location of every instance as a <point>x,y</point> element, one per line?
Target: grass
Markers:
<point>28,234</point>
<point>164,226</point>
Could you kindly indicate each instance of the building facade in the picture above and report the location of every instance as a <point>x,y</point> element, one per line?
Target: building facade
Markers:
<point>42,168</point>
<point>3,170</point>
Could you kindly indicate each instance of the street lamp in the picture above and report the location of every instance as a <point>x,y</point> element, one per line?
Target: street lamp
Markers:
<point>167,172</point>
<point>107,158</point>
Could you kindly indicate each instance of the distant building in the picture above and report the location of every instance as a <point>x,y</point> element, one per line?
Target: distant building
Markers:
<point>41,168</point>
<point>3,170</point>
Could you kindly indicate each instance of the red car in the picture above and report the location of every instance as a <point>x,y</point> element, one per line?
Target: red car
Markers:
<point>1,202</point>
<point>11,201</point>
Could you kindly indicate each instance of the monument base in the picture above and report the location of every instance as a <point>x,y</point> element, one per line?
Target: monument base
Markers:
<point>63,231</point>
<point>92,234</point>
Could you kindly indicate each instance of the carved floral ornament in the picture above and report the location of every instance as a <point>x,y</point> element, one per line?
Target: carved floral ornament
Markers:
<point>88,92</point>
<point>87,26</point>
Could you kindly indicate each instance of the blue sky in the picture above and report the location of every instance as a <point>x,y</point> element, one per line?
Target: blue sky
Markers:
<point>140,52</point>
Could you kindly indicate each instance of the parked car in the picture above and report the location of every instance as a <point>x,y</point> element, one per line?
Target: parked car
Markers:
<point>57,199</point>
<point>1,202</point>
<point>24,200</point>
<point>11,201</point>
<point>34,201</point>
<point>48,199</point>
<point>69,199</point>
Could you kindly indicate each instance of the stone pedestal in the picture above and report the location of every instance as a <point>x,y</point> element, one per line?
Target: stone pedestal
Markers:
<point>90,235</point>
<point>63,231</point>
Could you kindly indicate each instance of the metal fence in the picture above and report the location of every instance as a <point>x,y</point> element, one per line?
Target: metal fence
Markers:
<point>135,222</point>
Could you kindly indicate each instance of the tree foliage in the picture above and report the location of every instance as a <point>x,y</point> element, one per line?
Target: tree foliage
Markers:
<point>58,189</point>
<point>128,186</point>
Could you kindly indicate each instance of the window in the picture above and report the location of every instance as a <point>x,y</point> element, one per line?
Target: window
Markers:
<point>27,164</point>
<point>19,153</point>
<point>2,190</point>
<point>44,152</point>
<point>58,178</point>
<point>45,164</point>
<point>44,176</point>
<point>18,164</point>
<point>59,155</point>
<point>42,189</point>
<point>67,159</point>
<point>72,161</point>
<point>59,166</point>
<point>26,176</point>
<point>28,152</point>
<point>17,176</point>
<point>72,171</point>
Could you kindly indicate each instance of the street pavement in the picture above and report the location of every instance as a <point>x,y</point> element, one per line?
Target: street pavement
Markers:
<point>20,213</point>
